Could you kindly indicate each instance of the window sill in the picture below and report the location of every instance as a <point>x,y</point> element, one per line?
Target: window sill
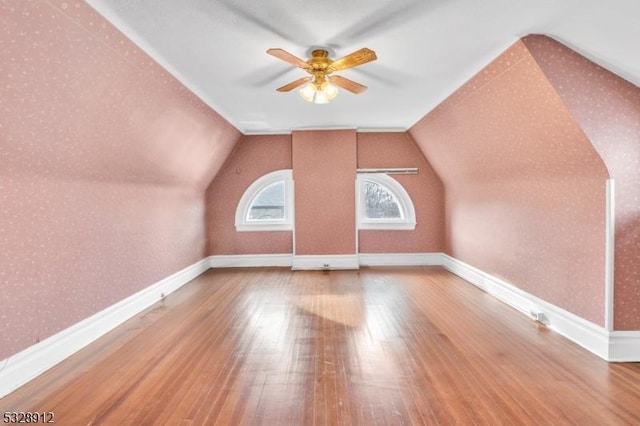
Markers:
<point>382,226</point>
<point>264,227</point>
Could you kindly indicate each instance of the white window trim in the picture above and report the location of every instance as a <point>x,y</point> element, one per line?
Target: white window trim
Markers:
<point>285,224</point>
<point>408,223</point>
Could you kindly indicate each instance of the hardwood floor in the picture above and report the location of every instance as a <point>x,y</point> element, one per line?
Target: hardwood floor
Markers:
<point>382,346</point>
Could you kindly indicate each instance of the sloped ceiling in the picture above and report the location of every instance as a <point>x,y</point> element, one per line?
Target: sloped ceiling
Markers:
<point>426,50</point>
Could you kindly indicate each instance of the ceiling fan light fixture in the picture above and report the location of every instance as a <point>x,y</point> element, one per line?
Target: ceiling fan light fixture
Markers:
<point>319,92</point>
<point>319,88</point>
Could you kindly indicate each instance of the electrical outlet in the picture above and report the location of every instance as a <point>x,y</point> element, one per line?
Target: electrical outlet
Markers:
<point>540,317</point>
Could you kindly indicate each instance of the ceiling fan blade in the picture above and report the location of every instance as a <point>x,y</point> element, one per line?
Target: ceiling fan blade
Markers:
<point>354,59</point>
<point>299,82</point>
<point>347,84</point>
<point>288,57</point>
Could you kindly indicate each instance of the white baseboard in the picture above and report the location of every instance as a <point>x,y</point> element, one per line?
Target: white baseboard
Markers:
<point>24,366</point>
<point>611,346</point>
<point>624,346</point>
<point>335,261</point>
<point>319,261</point>
<point>400,259</point>
<point>284,260</point>
<point>249,260</point>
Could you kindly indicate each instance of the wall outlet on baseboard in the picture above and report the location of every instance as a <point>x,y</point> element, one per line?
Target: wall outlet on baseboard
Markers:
<point>325,266</point>
<point>539,317</point>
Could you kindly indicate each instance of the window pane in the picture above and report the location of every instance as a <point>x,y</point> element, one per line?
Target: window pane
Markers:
<point>380,203</point>
<point>268,204</point>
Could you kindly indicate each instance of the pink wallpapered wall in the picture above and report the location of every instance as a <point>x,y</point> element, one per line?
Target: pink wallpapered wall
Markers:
<point>392,150</point>
<point>104,160</point>
<point>255,156</point>
<point>324,173</point>
<point>525,189</point>
<point>607,108</point>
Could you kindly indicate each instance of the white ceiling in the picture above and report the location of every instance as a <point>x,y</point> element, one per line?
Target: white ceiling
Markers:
<point>426,49</point>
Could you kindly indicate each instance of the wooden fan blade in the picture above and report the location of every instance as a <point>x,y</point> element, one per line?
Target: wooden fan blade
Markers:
<point>299,82</point>
<point>354,59</point>
<point>347,84</point>
<point>288,57</point>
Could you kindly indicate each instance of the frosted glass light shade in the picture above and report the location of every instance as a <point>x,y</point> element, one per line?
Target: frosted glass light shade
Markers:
<point>330,90</point>
<point>308,92</point>
<point>319,93</point>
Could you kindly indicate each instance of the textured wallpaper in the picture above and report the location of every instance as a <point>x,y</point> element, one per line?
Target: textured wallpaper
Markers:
<point>255,156</point>
<point>324,174</point>
<point>607,108</point>
<point>393,150</point>
<point>104,160</point>
<point>525,189</point>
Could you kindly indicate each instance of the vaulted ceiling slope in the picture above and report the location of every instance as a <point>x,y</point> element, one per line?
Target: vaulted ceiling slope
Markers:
<point>81,102</point>
<point>524,149</point>
<point>426,50</point>
<point>104,160</point>
<point>607,108</point>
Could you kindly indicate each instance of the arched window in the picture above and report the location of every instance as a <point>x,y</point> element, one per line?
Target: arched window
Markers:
<point>383,203</point>
<point>267,204</point>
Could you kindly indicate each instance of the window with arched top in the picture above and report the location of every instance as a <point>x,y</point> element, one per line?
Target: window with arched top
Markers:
<point>383,203</point>
<point>267,204</point>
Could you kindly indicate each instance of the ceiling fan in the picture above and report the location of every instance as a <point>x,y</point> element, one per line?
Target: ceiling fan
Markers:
<point>320,87</point>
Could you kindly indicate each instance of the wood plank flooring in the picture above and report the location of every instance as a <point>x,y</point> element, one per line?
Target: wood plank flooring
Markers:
<point>379,346</point>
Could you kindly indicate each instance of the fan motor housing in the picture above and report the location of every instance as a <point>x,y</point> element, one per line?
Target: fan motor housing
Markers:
<point>319,60</point>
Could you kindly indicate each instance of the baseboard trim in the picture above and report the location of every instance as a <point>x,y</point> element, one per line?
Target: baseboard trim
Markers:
<point>24,366</point>
<point>336,261</point>
<point>400,259</point>
<point>318,261</point>
<point>611,346</point>
<point>624,346</point>
<point>249,260</point>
